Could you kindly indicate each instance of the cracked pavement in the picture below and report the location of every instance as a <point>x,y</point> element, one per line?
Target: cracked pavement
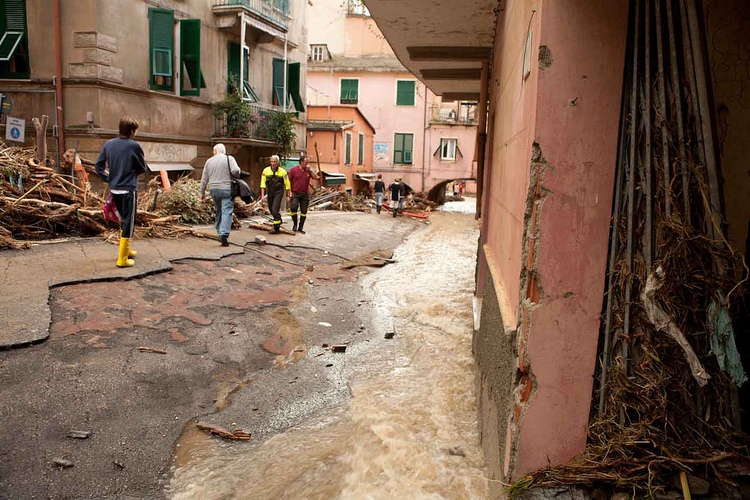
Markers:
<point>229,321</point>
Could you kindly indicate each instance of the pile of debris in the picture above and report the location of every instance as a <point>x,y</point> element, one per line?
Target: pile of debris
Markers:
<point>331,199</point>
<point>38,203</point>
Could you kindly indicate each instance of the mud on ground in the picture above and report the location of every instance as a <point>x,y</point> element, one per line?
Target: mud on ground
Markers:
<point>224,326</point>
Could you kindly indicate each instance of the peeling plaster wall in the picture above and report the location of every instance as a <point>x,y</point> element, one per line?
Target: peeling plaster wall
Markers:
<point>727,26</point>
<point>579,97</point>
<point>549,180</point>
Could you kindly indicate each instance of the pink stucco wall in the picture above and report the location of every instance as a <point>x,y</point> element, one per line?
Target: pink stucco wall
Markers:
<point>363,38</point>
<point>463,166</point>
<point>546,218</point>
<point>511,121</point>
<point>333,159</point>
<point>577,123</point>
<point>377,101</point>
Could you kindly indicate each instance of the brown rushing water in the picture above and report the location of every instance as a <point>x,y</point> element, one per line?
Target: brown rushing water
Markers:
<point>410,429</point>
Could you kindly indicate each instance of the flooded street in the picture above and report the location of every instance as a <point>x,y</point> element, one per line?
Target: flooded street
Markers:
<point>409,429</point>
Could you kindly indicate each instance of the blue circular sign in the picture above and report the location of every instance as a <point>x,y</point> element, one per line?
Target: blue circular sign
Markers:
<point>15,132</point>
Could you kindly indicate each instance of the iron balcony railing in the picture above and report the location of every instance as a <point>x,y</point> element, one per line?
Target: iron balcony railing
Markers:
<point>259,126</point>
<point>273,11</point>
<point>463,114</point>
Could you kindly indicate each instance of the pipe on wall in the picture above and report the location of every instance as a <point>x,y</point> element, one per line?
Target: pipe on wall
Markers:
<point>58,84</point>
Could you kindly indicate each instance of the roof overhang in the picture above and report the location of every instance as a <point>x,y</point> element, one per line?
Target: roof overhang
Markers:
<point>444,46</point>
<point>366,176</point>
<point>334,178</point>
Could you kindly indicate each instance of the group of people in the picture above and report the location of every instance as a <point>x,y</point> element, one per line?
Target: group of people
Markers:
<point>121,161</point>
<point>397,191</point>
<point>274,182</point>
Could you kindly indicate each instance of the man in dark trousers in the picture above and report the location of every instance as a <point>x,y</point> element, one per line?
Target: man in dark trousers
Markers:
<point>120,163</point>
<point>273,181</point>
<point>299,178</point>
<point>397,196</point>
<point>379,190</point>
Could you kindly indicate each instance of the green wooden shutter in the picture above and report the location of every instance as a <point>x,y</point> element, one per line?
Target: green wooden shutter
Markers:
<point>408,148</point>
<point>15,15</point>
<point>294,85</point>
<point>405,93</point>
<point>361,150</point>
<point>233,64</point>
<point>161,38</point>
<point>349,91</point>
<point>348,160</point>
<point>398,148</point>
<point>190,55</point>
<point>278,82</point>
<point>12,27</point>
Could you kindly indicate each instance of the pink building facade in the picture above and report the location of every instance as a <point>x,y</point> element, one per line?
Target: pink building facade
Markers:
<point>350,63</point>
<point>549,75</point>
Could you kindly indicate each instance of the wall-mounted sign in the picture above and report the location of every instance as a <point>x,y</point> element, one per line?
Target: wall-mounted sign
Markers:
<point>15,129</point>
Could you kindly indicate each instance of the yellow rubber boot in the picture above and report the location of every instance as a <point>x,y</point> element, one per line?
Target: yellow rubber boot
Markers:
<point>131,253</point>
<point>122,256</point>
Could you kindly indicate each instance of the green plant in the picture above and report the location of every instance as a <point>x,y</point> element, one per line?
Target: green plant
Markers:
<point>281,131</point>
<point>239,114</point>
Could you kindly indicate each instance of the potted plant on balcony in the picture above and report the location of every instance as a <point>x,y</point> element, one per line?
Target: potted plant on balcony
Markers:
<point>236,112</point>
<point>281,131</point>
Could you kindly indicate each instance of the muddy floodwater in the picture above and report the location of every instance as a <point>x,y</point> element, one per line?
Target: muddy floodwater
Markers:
<point>409,430</point>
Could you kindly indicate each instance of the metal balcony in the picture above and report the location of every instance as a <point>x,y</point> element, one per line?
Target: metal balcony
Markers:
<point>453,114</point>
<point>258,128</point>
<point>273,12</point>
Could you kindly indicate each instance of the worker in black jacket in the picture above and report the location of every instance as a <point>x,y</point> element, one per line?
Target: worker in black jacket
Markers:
<point>273,182</point>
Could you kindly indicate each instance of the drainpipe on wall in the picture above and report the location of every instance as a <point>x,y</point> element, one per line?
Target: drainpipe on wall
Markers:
<point>286,64</point>
<point>58,84</point>
<point>241,76</point>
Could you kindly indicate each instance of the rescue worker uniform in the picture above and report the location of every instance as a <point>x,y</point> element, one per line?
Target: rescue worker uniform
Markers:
<point>274,182</point>
<point>299,179</point>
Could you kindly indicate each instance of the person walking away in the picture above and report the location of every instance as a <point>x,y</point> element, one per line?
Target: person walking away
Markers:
<point>299,179</point>
<point>397,196</point>
<point>217,175</point>
<point>461,189</point>
<point>379,190</point>
<point>273,181</point>
<point>120,163</point>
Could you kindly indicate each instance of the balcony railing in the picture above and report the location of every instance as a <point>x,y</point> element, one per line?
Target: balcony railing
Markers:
<point>463,114</point>
<point>273,11</point>
<point>259,126</point>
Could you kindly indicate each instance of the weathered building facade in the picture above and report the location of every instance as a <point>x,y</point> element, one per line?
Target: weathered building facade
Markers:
<point>163,62</point>
<point>418,137</point>
<point>581,109</point>
<point>340,137</point>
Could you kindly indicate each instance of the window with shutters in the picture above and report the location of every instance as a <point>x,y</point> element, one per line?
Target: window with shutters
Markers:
<point>403,145</point>
<point>14,40</point>
<point>348,149</point>
<point>361,150</point>
<point>161,47</point>
<point>293,84</point>
<point>405,90</point>
<point>448,149</point>
<point>190,57</point>
<point>319,52</point>
<point>349,91</point>
<point>233,71</point>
